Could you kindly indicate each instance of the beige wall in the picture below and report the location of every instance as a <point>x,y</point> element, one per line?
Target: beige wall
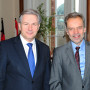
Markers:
<point>9,10</point>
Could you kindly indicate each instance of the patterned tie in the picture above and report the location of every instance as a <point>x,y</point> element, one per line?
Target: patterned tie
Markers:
<point>31,60</point>
<point>77,57</point>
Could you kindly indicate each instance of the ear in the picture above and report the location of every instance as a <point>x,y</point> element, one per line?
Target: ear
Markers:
<point>84,30</point>
<point>19,26</point>
<point>38,26</point>
<point>67,31</point>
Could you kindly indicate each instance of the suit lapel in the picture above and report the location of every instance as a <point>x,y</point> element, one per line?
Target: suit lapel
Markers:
<point>71,55</point>
<point>20,50</point>
<point>38,48</point>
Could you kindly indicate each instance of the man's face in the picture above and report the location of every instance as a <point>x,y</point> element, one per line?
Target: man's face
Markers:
<point>29,27</point>
<point>75,30</point>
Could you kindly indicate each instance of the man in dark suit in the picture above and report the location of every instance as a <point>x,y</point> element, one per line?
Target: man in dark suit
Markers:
<point>70,67</point>
<point>15,70</point>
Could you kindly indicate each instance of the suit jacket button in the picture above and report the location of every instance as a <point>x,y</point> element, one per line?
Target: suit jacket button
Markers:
<point>32,81</point>
<point>82,86</point>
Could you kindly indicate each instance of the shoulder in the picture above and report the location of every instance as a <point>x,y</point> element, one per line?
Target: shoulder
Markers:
<point>87,46</point>
<point>63,47</point>
<point>87,43</point>
<point>8,41</point>
<point>41,44</point>
<point>62,50</point>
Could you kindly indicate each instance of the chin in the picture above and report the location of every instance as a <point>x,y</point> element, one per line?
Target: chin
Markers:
<point>78,43</point>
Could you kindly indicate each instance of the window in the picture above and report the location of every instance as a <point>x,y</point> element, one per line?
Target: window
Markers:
<point>59,23</point>
<point>61,9</point>
<point>77,5</point>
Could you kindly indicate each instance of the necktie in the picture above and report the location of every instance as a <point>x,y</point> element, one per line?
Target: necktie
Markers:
<point>31,60</point>
<point>77,57</point>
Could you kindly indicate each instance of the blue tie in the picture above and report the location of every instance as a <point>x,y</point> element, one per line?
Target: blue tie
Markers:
<point>31,60</point>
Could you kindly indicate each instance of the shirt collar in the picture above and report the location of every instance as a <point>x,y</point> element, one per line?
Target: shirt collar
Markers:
<point>82,45</point>
<point>24,42</point>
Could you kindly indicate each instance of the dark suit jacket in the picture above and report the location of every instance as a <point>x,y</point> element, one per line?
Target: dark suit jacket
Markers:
<point>65,74</point>
<point>14,69</point>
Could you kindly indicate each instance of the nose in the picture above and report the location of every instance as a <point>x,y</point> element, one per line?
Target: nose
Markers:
<point>75,30</point>
<point>30,27</point>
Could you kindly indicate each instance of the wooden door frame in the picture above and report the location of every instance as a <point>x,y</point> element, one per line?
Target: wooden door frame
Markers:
<point>88,20</point>
<point>21,4</point>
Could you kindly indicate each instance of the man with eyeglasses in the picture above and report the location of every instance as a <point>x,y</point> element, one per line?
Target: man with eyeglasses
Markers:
<point>24,60</point>
<point>71,62</point>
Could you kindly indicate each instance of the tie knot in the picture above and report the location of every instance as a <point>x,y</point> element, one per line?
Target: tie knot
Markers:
<point>29,45</point>
<point>77,48</point>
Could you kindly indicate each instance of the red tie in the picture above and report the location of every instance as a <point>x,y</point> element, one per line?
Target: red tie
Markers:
<point>77,57</point>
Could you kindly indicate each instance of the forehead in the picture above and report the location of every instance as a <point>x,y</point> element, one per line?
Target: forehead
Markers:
<point>74,21</point>
<point>29,17</point>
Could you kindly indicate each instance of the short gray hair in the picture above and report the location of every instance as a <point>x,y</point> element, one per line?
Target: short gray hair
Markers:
<point>30,11</point>
<point>74,15</point>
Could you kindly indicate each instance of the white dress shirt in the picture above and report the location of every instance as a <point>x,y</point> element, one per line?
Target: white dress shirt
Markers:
<point>26,48</point>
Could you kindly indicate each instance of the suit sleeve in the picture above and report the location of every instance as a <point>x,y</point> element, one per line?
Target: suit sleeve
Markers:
<point>2,66</point>
<point>47,72</point>
<point>56,72</point>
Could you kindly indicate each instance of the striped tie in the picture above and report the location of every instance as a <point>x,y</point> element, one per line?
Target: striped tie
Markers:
<point>77,57</point>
